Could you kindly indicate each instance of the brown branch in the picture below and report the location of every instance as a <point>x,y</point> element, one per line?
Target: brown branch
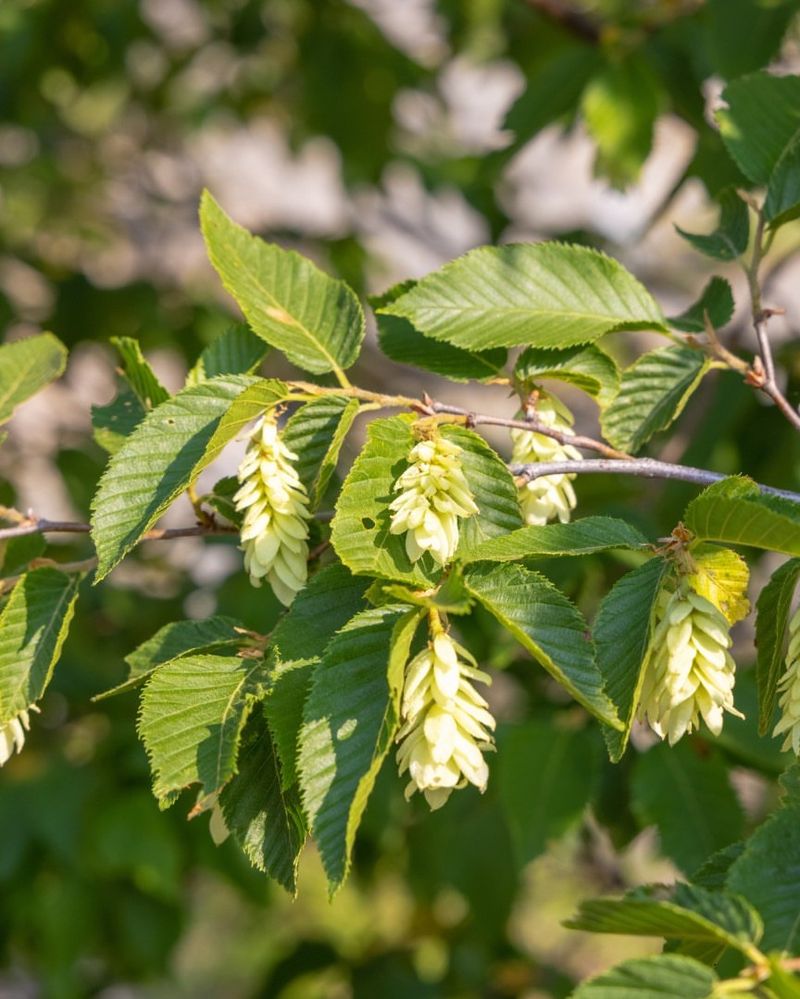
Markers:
<point>577,440</point>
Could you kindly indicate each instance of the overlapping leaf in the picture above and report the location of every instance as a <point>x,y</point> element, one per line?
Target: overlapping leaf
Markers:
<point>586,367</point>
<point>729,240</point>
<point>772,619</point>
<point>192,714</point>
<point>349,722</point>
<point>666,976</point>
<point>715,304</point>
<point>579,537</point>
<point>33,626</point>
<point>551,628</point>
<point>734,511</point>
<point>652,395</point>
<point>264,817</point>
<point>138,373</point>
<point>237,351</point>
<point>316,433</point>
<point>315,320</point>
<point>179,638</point>
<point>622,634</point>
<point>721,576</point>
<point>542,294</point>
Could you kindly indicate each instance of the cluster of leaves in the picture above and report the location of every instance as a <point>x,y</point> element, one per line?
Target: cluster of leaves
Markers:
<point>288,732</point>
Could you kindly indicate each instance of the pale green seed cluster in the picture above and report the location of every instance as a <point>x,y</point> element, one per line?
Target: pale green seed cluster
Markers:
<point>689,672</point>
<point>549,497</point>
<point>275,504</point>
<point>446,725</point>
<point>12,735</point>
<point>789,690</point>
<point>433,494</point>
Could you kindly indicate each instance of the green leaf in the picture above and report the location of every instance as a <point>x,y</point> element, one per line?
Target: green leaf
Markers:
<point>259,396</point>
<point>349,722</point>
<point>17,553</point>
<point>114,423</point>
<point>264,818</point>
<point>739,738</point>
<point>686,913</point>
<point>782,203</point>
<point>716,303</point>
<point>546,776</point>
<point>652,395</point>
<point>713,873</point>
<point>315,320</point>
<point>138,373</point>
<point>548,625</point>
<point>762,118</point>
<point>734,511</point>
<point>192,714</point>
<point>622,635</point>
<point>451,597</point>
<point>666,976</point>
<point>401,342</point>
<point>721,576</point>
<point>768,875</point>
<point>744,35</point>
<point>688,797</point>
<point>26,366</point>
<point>772,620</point>
<point>579,537</point>
<point>782,983</point>
<point>360,529</point>
<point>236,352</point>
<point>163,456</point>
<point>729,240</point>
<point>333,595</point>
<point>620,105</point>
<point>316,433</point>
<point>789,783</point>
<point>493,490</point>
<point>542,294</point>
<point>33,625</point>
<point>586,367</point>
<point>176,639</point>
<point>283,709</point>
<point>221,499</point>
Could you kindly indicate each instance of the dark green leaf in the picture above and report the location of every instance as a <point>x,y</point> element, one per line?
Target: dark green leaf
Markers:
<point>716,303</point>
<point>772,619</point>
<point>652,395</point>
<point>264,818</point>
<point>349,722</point>
<point>176,639</point>
<point>551,628</point>
<point>236,352</point>
<point>729,240</point>
<point>316,432</point>
<point>580,537</point>
<point>114,423</point>
<point>138,373</point>
<point>586,367</point>
<point>688,797</point>
<point>622,635</point>
<point>782,203</point>
<point>545,778</point>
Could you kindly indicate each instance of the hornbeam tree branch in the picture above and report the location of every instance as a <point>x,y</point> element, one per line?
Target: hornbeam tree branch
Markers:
<point>648,468</point>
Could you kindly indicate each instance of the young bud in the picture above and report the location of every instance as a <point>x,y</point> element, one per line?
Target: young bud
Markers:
<point>446,725</point>
<point>12,734</point>
<point>689,671</point>
<point>433,495</point>
<point>550,496</point>
<point>789,689</point>
<point>275,505</point>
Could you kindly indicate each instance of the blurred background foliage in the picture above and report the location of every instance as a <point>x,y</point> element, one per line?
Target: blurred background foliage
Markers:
<point>381,137</point>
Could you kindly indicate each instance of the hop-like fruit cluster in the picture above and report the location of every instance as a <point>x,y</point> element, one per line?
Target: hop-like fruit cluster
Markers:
<point>689,672</point>
<point>550,496</point>
<point>789,690</point>
<point>433,494</point>
<point>446,725</point>
<point>12,735</point>
<point>275,505</point>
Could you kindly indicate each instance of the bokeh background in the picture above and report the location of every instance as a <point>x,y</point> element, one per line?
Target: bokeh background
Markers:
<point>381,138</point>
